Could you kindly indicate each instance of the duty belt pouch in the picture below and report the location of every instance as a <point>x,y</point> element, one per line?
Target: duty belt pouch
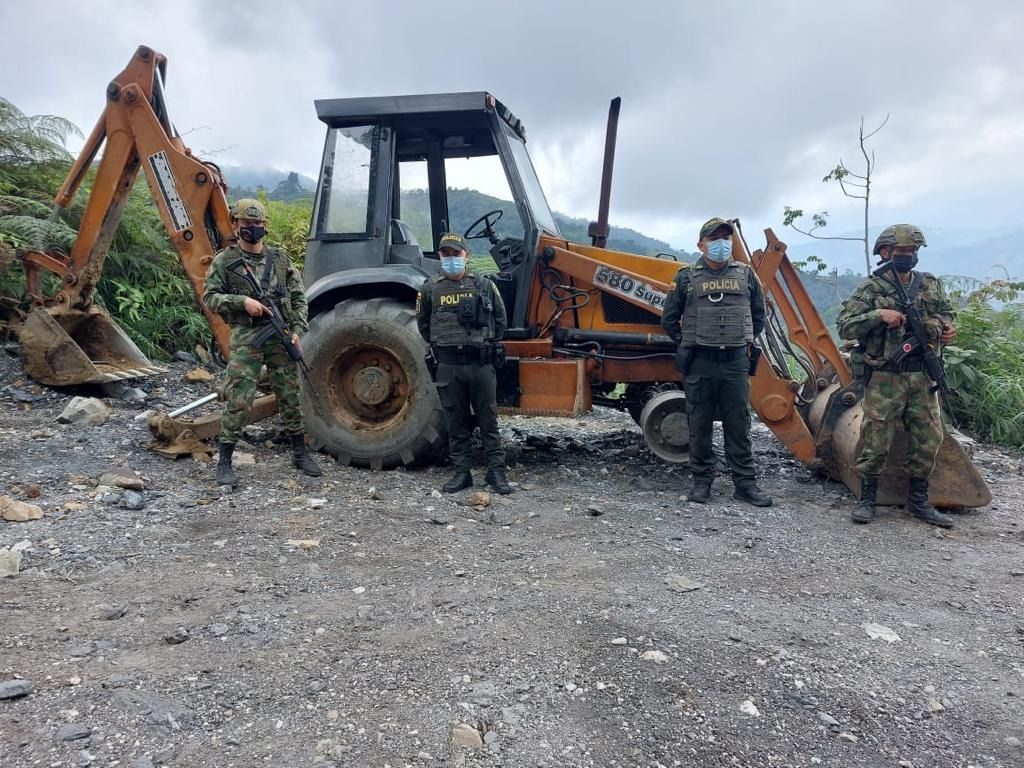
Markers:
<point>684,359</point>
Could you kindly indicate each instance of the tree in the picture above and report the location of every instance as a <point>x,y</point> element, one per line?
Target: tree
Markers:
<point>855,185</point>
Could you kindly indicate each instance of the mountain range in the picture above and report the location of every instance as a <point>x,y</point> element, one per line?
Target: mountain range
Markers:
<point>975,253</point>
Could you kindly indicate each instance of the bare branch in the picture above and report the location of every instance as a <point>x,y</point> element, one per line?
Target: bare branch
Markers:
<point>842,185</point>
<point>880,127</point>
<point>810,233</point>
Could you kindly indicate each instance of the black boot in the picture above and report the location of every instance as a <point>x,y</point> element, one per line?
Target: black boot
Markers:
<point>461,479</point>
<point>301,458</point>
<point>496,478</point>
<point>919,506</point>
<point>701,490</point>
<point>864,512</point>
<point>225,474</point>
<point>748,491</point>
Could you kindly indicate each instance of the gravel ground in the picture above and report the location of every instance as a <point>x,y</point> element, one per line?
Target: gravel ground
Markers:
<point>594,618</point>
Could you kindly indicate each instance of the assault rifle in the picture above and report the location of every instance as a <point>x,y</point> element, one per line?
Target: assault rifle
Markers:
<point>916,340</point>
<point>276,325</point>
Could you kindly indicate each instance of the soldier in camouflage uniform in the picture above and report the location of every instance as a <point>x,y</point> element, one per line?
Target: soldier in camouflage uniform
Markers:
<point>462,316</point>
<point>230,296</point>
<point>897,393</point>
<point>714,313</point>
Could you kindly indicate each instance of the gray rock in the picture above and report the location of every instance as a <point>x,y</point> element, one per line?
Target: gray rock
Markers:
<point>84,758</point>
<point>13,689</point>
<point>218,630</point>
<point>594,511</point>
<point>73,732</point>
<point>1012,741</point>
<point>180,635</point>
<point>828,720</point>
<point>113,612</point>
<point>143,762</point>
<point>85,649</point>
<point>10,562</point>
<point>184,357</point>
<point>11,348</point>
<point>133,500</point>
<point>85,411</point>
<point>152,708</point>
<point>483,693</point>
<point>678,583</point>
<point>21,396</point>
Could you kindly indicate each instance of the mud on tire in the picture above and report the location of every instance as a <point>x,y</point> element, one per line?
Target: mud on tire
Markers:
<point>378,407</point>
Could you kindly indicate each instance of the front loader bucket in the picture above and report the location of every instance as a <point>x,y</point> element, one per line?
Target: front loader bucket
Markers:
<point>955,482</point>
<point>79,347</point>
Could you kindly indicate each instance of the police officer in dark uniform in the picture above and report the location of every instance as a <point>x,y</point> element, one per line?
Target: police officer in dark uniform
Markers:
<point>714,313</point>
<point>462,317</point>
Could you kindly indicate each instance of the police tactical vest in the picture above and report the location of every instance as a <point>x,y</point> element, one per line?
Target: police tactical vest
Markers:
<point>717,309</point>
<point>445,295</point>
<point>277,287</point>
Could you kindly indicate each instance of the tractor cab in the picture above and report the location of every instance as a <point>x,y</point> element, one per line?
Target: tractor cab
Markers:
<point>398,172</point>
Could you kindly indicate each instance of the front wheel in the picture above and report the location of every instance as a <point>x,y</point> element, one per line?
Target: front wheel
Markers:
<point>377,406</point>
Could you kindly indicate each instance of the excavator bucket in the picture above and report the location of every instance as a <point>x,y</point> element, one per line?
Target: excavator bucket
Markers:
<point>954,483</point>
<point>68,347</point>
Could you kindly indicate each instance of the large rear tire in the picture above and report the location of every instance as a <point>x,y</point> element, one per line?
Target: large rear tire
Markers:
<point>377,406</point>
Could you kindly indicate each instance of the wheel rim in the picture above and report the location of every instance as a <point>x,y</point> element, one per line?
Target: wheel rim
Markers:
<point>369,387</point>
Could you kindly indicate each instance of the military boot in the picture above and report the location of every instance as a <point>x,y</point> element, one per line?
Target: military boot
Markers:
<point>864,512</point>
<point>225,474</point>
<point>919,506</point>
<point>748,491</point>
<point>301,458</point>
<point>461,479</point>
<point>496,478</point>
<point>701,490</point>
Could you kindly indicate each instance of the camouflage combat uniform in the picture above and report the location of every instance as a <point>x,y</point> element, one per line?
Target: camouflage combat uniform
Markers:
<point>463,381</point>
<point>225,293</point>
<point>896,396</point>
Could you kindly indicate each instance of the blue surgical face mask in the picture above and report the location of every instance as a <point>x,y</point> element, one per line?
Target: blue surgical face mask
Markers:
<point>719,251</point>
<point>453,265</point>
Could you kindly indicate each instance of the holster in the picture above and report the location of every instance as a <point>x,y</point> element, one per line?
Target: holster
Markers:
<point>755,358</point>
<point>684,359</point>
<point>431,359</point>
<point>493,353</point>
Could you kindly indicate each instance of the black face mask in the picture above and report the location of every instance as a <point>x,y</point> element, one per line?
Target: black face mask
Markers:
<point>904,262</point>
<point>252,234</point>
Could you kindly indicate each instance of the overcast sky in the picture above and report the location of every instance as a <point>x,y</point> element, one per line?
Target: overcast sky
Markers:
<point>728,108</point>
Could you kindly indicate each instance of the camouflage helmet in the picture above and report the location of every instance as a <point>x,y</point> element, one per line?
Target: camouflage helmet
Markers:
<point>900,234</point>
<point>249,208</point>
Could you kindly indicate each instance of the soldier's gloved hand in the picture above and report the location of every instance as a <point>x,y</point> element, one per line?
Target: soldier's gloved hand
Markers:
<point>948,333</point>
<point>254,308</point>
<point>892,318</point>
<point>295,341</point>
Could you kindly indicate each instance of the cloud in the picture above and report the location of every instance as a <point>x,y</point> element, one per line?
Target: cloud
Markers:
<point>729,108</point>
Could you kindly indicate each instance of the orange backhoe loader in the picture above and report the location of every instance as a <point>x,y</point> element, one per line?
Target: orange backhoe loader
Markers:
<point>584,321</point>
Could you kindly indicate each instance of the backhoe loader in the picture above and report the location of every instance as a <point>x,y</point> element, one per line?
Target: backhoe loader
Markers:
<point>584,320</point>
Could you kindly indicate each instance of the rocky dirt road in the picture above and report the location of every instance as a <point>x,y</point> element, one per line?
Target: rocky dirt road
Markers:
<point>595,618</point>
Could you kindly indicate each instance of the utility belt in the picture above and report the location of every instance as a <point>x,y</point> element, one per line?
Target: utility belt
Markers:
<point>720,355</point>
<point>459,355</point>
<point>906,365</point>
<point>490,353</point>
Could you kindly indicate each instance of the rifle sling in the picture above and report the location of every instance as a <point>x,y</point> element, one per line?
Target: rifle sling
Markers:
<point>268,271</point>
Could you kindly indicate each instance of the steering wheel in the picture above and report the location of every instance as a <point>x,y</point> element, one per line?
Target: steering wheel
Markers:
<point>487,230</point>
